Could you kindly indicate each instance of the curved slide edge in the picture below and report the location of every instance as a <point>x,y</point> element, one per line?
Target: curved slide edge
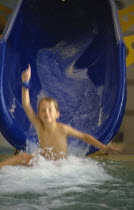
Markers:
<point>109,127</point>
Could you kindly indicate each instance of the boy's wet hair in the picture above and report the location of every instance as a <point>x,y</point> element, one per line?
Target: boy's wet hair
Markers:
<point>49,99</point>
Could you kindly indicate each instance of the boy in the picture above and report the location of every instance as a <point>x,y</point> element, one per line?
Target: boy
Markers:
<point>51,134</point>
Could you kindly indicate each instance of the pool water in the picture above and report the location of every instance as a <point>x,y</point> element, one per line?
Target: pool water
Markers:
<point>72,184</point>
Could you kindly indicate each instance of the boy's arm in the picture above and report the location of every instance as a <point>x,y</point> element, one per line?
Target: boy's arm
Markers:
<point>26,75</point>
<point>90,140</point>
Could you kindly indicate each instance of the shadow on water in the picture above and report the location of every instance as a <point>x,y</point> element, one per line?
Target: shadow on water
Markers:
<point>5,152</point>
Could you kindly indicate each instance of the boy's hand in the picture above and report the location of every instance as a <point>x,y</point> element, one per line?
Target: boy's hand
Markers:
<point>113,150</point>
<point>26,75</point>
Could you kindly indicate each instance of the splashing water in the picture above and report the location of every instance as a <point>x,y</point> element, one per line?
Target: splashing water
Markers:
<point>74,183</point>
<point>66,174</point>
<point>50,181</point>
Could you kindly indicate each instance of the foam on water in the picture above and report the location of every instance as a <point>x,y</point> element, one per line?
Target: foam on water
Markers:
<point>74,183</point>
<point>61,176</point>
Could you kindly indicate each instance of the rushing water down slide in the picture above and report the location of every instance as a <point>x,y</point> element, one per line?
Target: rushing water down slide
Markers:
<point>77,56</point>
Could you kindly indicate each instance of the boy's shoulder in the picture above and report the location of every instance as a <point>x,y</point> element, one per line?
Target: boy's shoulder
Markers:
<point>63,127</point>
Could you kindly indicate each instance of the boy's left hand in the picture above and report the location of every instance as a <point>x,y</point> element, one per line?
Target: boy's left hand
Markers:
<point>112,150</point>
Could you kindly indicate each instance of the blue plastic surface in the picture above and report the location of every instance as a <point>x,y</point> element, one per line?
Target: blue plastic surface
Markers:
<point>77,55</point>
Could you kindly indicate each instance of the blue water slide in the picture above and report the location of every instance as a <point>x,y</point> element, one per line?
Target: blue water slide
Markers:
<point>77,55</point>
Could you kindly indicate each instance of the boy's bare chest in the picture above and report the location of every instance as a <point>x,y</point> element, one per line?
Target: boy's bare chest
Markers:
<point>55,139</point>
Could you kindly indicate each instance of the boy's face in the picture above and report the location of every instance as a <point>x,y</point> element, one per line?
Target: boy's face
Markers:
<point>47,112</point>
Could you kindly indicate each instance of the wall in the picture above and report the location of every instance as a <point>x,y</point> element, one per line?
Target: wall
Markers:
<point>126,131</point>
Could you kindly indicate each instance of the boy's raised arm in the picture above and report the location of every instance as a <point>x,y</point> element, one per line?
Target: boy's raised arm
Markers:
<point>26,76</point>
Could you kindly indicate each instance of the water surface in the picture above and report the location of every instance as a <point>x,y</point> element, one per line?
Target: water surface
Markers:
<point>75,183</point>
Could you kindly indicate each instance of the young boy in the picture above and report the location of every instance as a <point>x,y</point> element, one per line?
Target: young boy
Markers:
<point>51,134</point>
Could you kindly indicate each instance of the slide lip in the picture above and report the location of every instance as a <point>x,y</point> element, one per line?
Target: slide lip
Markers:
<point>119,105</point>
<point>110,127</point>
<point>117,26</point>
<point>10,22</point>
